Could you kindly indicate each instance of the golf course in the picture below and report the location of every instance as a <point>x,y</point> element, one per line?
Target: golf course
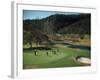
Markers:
<point>56,39</point>
<point>58,55</point>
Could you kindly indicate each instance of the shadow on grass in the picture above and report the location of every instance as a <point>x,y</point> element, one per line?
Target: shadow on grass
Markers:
<point>79,47</point>
<point>82,47</point>
<point>75,46</point>
<point>38,48</point>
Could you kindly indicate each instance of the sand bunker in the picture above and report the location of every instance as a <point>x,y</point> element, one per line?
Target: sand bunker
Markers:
<point>84,60</point>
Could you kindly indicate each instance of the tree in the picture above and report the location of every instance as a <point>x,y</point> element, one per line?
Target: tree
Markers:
<point>28,38</point>
<point>48,27</point>
<point>34,37</point>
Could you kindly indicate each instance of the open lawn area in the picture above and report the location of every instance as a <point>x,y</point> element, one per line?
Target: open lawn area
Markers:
<point>62,57</point>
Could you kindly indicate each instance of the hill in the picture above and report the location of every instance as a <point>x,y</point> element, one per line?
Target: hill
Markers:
<point>60,23</point>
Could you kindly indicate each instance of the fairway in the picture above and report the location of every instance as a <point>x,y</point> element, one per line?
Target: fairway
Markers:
<point>65,57</point>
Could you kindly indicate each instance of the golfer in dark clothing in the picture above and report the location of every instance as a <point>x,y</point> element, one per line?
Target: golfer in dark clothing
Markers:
<point>47,53</point>
<point>35,53</point>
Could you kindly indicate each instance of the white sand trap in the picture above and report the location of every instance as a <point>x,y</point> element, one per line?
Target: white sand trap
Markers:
<point>84,60</point>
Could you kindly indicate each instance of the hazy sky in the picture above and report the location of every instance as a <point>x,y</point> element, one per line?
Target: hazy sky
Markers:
<point>31,14</point>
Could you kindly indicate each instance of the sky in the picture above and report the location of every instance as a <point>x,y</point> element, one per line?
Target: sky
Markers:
<point>31,14</point>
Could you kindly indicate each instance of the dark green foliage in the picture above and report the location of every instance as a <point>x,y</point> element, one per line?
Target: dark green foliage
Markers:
<point>28,38</point>
<point>34,37</point>
<point>60,23</point>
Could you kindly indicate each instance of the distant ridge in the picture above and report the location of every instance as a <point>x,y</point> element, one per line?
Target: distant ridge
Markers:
<point>60,23</point>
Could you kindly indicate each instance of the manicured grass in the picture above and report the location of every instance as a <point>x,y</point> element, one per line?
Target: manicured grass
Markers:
<point>65,57</point>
